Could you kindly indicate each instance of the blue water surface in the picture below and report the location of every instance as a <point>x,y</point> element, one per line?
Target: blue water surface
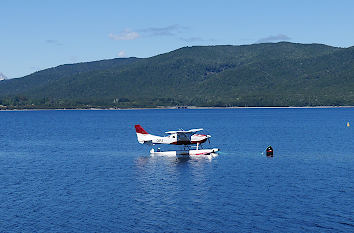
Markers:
<point>84,171</point>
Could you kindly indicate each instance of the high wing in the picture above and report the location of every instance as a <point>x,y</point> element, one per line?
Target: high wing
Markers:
<point>184,131</point>
<point>184,136</point>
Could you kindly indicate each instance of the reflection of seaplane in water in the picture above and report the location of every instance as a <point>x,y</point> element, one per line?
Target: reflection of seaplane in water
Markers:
<point>180,137</point>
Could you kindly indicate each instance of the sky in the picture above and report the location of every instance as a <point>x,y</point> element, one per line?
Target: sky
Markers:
<point>39,34</point>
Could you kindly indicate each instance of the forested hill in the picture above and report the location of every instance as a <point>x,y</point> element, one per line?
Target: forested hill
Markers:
<point>269,74</point>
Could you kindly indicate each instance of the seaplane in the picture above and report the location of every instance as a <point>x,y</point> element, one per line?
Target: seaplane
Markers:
<point>186,138</point>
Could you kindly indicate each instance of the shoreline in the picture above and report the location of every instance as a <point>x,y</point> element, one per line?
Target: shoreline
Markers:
<point>170,108</point>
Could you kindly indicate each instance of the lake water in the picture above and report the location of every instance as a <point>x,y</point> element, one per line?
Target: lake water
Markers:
<point>84,171</point>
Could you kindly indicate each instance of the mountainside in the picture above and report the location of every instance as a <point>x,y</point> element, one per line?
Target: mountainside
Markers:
<point>270,74</point>
<point>47,77</point>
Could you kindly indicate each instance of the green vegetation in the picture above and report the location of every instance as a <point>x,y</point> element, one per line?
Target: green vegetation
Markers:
<point>270,74</point>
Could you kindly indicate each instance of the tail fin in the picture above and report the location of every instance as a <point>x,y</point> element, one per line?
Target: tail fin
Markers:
<point>140,129</point>
<point>142,135</point>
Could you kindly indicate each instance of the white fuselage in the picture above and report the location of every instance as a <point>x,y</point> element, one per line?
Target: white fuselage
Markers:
<point>174,138</point>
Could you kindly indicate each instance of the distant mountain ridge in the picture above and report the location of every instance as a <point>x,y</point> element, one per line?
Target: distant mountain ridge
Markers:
<point>269,74</point>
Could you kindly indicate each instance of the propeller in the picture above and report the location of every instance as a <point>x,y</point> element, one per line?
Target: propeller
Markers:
<point>208,136</point>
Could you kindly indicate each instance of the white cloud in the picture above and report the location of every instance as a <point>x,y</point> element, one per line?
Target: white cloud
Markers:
<point>2,76</point>
<point>191,39</point>
<point>53,42</point>
<point>127,34</point>
<point>124,35</point>
<point>74,59</point>
<point>121,54</point>
<point>273,38</point>
<point>171,30</point>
